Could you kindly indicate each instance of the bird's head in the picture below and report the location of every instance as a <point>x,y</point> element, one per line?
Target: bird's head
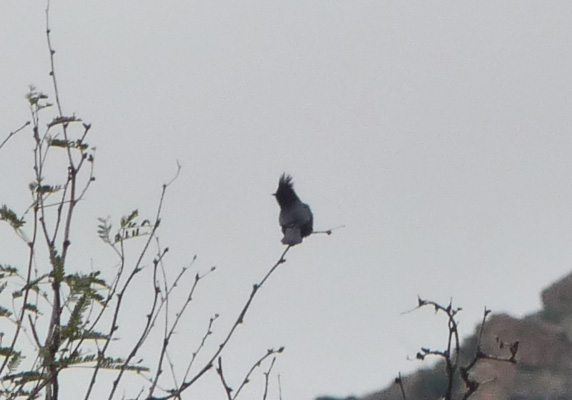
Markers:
<point>285,194</point>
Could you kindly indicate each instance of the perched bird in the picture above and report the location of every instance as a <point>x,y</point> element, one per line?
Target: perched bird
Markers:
<point>296,219</point>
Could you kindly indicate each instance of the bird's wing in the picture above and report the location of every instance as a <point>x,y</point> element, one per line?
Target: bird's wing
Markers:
<point>297,215</point>
<point>308,227</point>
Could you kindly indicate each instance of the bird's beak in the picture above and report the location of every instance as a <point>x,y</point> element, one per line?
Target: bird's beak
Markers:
<point>274,194</point>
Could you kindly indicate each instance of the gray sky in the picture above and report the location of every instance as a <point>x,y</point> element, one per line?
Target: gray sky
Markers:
<point>438,133</point>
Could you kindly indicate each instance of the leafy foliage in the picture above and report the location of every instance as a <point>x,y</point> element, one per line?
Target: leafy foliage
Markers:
<point>129,228</point>
<point>36,99</point>
<point>32,308</point>
<point>57,265</point>
<point>82,284</point>
<point>15,360</point>
<point>7,270</point>
<point>128,221</point>
<point>104,230</point>
<point>71,330</point>
<point>8,215</point>
<point>68,144</point>
<point>47,189</point>
<point>4,312</point>
<point>62,120</point>
<point>32,285</point>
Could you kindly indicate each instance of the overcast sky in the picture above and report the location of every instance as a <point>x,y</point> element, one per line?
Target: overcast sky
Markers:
<point>438,133</point>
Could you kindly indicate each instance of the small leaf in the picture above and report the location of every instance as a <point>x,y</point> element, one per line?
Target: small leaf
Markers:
<point>6,214</point>
<point>4,312</point>
<point>126,220</point>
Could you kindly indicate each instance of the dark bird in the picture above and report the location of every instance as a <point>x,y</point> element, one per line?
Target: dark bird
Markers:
<point>296,219</point>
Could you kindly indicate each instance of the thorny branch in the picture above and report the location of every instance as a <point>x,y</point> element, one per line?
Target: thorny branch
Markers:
<point>451,355</point>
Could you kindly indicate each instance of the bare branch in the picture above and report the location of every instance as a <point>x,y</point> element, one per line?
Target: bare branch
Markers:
<point>13,133</point>
<point>209,364</point>
<point>266,378</point>
<point>399,381</point>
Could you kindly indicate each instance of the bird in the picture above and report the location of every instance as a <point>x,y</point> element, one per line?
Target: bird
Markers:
<point>295,217</point>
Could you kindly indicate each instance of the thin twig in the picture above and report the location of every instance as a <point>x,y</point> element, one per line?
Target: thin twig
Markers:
<point>127,284</point>
<point>254,366</point>
<point>13,133</point>
<point>209,364</point>
<point>169,331</point>
<point>266,378</point>
<point>201,346</point>
<point>227,389</point>
<point>452,356</point>
<point>146,329</point>
<point>399,381</point>
<point>328,231</point>
<point>471,384</point>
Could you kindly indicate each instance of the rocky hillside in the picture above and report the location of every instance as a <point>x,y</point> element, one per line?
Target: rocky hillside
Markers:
<point>544,367</point>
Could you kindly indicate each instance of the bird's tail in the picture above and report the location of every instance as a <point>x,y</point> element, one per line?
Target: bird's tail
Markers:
<point>292,236</point>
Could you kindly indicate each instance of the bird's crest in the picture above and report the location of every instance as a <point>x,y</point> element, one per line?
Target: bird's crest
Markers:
<point>285,181</point>
<point>285,194</point>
